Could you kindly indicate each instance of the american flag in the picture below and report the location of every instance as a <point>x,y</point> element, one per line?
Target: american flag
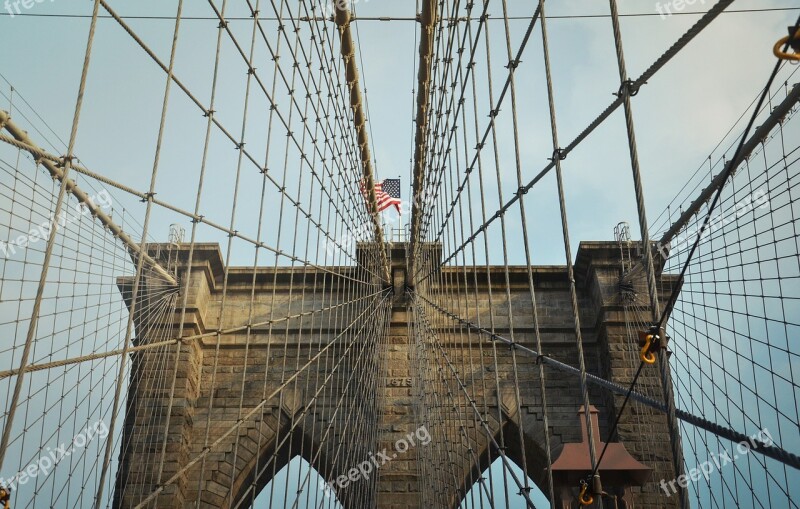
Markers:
<point>387,193</point>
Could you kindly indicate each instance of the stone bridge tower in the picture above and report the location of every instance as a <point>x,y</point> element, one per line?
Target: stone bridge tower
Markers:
<point>282,431</point>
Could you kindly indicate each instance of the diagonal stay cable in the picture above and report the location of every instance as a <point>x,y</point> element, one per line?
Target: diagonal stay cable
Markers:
<point>149,346</point>
<point>771,451</point>
<point>728,172</point>
<point>194,217</point>
<point>53,164</point>
<point>189,464</point>
<point>673,50</point>
<point>208,112</point>
<point>495,111</point>
<point>523,492</point>
<point>663,361</point>
<point>677,287</point>
<point>14,402</point>
<point>454,106</point>
<point>270,96</point>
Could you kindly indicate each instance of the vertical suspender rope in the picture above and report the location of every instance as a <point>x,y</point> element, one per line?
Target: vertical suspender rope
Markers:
<point>29,339</point>
<point>479,161</point>
<point>663,360</point>
<point>492,127</point>
<point>140,261</point>
<point>596,487</point>
<point>283,366</point>
<point>512,64</point>
<point>243,131</point>
<point>192,240</point>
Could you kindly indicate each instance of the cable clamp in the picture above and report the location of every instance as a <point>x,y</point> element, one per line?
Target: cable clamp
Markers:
<point>558,154</point>
<point>66,160</point>
<point>793,40</point>
<point>629,88</point>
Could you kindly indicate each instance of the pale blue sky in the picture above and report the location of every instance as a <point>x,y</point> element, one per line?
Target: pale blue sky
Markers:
<point>680,115</point>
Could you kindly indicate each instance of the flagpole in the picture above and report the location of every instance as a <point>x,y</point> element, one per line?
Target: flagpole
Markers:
<point>347,46</point>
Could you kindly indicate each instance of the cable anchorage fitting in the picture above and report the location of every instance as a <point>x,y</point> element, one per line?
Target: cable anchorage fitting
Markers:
<point>584,497</point>
<point>650,340</point>
<point>587,494</point>
<point>5,497</point>
<point>793,39</point>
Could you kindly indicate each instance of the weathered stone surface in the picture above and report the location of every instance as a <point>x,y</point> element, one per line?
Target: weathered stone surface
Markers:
<point>220,378</point>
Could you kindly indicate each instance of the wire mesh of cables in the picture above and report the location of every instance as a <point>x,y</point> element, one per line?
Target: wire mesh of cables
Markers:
<point>466,295</point>
<point>259,357</point>
<point>732,325</point>
<point>140,338</point>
